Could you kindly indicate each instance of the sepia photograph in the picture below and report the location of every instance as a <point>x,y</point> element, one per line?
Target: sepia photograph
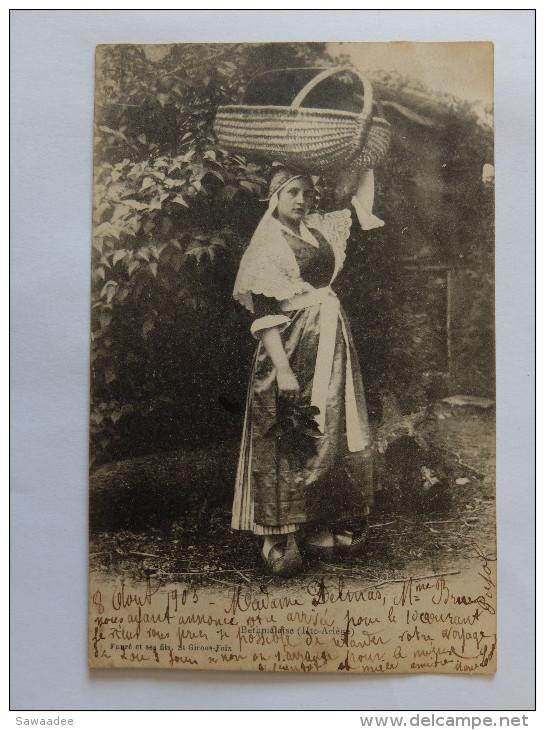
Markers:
<point>292,377</point>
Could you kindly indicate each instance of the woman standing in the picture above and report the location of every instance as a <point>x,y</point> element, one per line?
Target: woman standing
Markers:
<point>304,478</point>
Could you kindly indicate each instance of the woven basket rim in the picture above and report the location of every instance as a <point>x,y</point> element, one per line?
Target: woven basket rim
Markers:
<point>292,111</point>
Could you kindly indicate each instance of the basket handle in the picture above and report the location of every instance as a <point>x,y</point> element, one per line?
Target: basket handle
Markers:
<point>326,73</point>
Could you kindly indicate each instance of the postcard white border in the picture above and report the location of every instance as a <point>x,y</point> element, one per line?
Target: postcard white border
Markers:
<point>51,141</point>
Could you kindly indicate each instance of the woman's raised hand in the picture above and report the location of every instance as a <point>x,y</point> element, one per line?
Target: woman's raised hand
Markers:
<point>347,181</point>
<point>288,386</point>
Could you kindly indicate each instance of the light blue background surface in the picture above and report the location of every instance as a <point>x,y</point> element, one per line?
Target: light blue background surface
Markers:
<point>51,145</point>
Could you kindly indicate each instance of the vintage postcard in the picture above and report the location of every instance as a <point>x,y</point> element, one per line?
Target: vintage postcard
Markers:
<point>292,420</point>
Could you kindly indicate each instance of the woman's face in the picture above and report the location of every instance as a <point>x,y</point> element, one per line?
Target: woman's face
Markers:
<point>294,201</point>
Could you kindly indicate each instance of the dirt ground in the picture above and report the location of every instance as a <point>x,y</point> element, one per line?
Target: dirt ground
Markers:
<point>198,547</point>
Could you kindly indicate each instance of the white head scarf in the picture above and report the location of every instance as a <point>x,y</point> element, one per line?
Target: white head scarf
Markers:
<point>268,265</point>
<point>267,222</point>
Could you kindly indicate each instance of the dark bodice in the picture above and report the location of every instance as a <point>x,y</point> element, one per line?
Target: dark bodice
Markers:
<point>316,266</point>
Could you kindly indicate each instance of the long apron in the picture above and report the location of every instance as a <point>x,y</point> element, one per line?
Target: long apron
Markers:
<point>284,481</point>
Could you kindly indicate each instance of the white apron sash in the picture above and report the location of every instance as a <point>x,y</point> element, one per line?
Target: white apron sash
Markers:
<point>329,316</point>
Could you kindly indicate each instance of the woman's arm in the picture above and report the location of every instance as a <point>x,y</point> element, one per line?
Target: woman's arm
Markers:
<point>287,382</point>
<point>269,322</point>
<point>363,200</point>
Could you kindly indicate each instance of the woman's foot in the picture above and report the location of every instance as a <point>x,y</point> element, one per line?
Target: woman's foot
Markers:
<point>281,554</point>
<point>325,542</point>
<point>358,540</point>
<point>320,542</point>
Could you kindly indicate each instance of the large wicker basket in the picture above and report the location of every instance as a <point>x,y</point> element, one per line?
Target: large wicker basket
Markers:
<point>318,141</point>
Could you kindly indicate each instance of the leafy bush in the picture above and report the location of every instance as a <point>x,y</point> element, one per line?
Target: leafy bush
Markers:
<point>172,215</point>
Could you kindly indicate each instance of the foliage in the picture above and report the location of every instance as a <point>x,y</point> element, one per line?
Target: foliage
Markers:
<point>172,214</point>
